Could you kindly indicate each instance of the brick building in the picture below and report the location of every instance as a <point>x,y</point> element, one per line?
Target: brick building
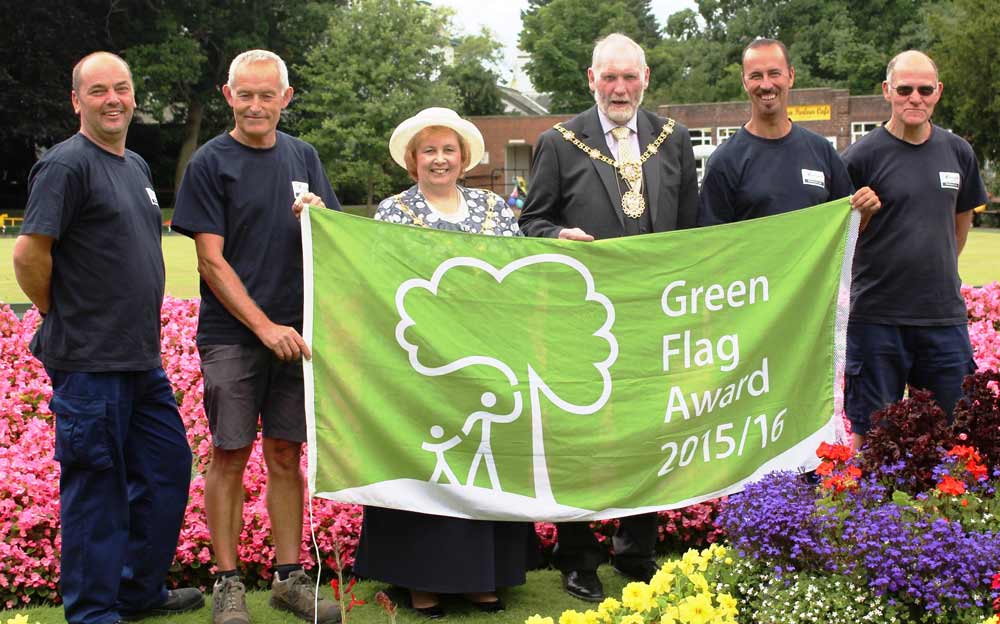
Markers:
<point>832,113</point>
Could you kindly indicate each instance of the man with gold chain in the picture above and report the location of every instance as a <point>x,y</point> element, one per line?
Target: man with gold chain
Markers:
<point>614,170</point>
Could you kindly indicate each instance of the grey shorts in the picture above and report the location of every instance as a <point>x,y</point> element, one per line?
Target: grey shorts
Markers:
<point>247,384</point>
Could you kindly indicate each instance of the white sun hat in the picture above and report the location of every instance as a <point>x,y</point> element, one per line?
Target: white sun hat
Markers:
<point>436,116</point>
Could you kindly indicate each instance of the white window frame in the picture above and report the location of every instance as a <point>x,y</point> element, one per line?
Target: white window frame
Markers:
<point>700,136</point>
<point>723,133</point>
<point>861,128</point>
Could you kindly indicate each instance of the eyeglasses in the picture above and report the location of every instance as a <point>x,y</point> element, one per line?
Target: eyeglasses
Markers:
<point>907,90</point>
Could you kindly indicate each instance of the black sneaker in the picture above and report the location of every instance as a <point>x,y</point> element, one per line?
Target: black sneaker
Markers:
<point>178,600</point>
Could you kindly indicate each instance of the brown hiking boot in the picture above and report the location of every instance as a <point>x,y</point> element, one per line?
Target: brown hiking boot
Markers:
<point>297,595</point>
<point>229,604</point>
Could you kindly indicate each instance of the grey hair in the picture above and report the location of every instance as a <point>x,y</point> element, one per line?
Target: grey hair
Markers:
<point>617,39</point>
<point>256,56</point>
<point>892,64</point>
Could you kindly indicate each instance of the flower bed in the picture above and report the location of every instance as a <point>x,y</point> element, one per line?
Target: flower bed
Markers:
<point>29,479</point>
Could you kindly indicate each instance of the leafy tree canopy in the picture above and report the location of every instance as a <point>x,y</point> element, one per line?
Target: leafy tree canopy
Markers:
<point>966,40</point>
<point>559,36</point>
<point>378,63</point>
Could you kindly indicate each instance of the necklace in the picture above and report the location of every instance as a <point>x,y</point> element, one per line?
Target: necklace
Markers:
<point>633,204</point>
<point>488,224</point>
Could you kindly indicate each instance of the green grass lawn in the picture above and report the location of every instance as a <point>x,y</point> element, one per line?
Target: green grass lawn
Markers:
<point>542,594</point>
<point>978,265</point>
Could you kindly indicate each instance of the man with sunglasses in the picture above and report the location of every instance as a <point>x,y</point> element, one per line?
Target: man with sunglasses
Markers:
<point>908,318</point>
<point>772,165</point>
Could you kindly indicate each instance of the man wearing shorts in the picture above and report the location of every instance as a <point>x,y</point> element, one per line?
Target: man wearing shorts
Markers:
<point>236,201</point>
<point>908,318</point>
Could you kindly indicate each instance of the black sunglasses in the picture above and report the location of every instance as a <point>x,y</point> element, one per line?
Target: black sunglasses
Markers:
<point>924,90</point>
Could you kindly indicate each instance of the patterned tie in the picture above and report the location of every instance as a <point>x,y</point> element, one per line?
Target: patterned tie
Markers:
<point>625,151</point>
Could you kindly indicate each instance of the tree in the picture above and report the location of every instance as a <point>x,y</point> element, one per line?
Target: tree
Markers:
<point>832,42</point>
<point>559,36</point>
<point>967,36</point>
<point>180,51</point>
<point>40,52</point>
<point>379,62</point>
<point>473,76</point>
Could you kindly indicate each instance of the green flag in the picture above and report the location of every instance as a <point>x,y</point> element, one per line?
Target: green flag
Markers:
<point>524,378</point>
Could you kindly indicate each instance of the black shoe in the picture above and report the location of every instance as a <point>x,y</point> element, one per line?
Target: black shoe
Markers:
<point>178,600</point>
<point>584,585</point>
<point>432,612</point>
<point>641,571</point>
<point>492,606</point>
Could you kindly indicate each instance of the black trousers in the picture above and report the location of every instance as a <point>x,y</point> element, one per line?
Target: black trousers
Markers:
<point>578,549</point>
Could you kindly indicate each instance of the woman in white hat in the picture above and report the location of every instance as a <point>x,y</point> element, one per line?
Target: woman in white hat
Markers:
<point>436,147</point>
<point>435,555</point>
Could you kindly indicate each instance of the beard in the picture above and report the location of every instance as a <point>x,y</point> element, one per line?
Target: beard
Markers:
<point>619,116</point>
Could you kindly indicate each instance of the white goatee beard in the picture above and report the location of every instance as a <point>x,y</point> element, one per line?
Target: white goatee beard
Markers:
<point>620,118</point>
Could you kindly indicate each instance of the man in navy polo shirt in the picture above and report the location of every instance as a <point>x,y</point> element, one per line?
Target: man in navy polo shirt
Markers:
<point>236,201</point>
<point>89,258</point>
<point>772,165</point>
<point>908,318</point>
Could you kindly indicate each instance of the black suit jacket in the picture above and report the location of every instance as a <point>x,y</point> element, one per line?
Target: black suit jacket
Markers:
<point>570,189</point>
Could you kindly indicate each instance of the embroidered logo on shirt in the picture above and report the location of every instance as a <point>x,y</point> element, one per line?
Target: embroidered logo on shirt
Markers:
<point>299,188</point>
<point>152,197</point>
<point>950,179</point>
<point>813,178</point>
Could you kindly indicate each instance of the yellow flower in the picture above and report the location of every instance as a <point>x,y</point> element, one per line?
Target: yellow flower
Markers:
<point>727,605</point>
<point>696,609</point>
<point>18,619</point>
<point>638,597</point>
<point>591,617</point>
<point>534,619</point>
<point>698,580</point>
<point>661,582</point>
<point>669,616</point>
<point>687,567</point>
<point>695,559</point>
<point>609,606</point>
<point>571,617</point>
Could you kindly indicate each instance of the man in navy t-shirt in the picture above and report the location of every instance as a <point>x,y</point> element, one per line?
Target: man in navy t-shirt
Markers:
<point>236,201</point>
<point>908,318</point>
<point>89,258</point>
<point>772,165</point>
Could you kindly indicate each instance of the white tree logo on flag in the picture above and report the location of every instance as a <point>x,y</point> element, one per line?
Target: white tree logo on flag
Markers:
<point>536,385</point>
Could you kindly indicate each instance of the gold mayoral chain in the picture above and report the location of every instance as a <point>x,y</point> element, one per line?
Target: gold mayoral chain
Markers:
<point>633,204</point>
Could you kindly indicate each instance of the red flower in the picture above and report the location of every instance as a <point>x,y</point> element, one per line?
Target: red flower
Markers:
<point>950,485</point>
<point>835,452</point>
<point>825,468</point>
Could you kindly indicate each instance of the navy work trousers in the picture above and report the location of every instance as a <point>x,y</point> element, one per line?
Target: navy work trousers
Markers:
<point>883,359</point>
<point>126,468</point>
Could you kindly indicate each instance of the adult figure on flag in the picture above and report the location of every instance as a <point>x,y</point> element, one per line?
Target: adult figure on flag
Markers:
<point>89,258</point>
<point>908,318</point>
<point>613,170</point>
<point>773,165</point>
<point>426,554</point>
<point>235,201</point>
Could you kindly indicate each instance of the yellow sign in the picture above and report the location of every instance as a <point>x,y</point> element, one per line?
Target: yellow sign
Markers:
<point>815,112</point>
